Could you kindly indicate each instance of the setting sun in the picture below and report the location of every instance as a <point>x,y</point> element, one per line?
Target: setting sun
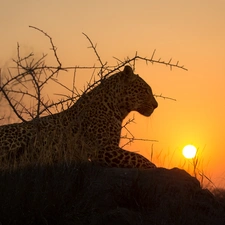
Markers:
<point>189,151</point>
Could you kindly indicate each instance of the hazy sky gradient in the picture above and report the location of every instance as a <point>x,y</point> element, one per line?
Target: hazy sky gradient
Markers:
<point>192,32</point>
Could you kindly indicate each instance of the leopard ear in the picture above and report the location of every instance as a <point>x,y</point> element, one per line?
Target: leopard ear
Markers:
<point>128,70</point>
<point>129,74</point>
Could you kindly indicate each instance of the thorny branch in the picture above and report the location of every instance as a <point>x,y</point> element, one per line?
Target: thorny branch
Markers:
<point>151,60</point>
<point>33,76</point>
<point>164,97</point>
<point>54,49</point>
<point>129,136</point>
<point>94,47</point>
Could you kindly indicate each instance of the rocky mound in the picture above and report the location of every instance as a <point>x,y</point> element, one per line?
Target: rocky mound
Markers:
<point>89,194</point>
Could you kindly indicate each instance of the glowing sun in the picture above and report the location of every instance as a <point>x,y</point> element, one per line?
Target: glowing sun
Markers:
<point>189,151</point>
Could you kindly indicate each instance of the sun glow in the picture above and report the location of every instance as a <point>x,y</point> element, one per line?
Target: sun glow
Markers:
<point>189,151</point>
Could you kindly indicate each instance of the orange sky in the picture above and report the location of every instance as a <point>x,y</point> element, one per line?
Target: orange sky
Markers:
<point>192,32</point>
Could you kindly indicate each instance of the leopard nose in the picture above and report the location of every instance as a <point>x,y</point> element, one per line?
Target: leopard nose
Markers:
<point>155,104</point>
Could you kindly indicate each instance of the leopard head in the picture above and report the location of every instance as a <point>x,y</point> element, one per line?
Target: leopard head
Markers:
<point>137,94</point>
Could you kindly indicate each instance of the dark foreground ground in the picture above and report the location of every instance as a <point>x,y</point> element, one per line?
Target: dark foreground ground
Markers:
<point>88,194</point>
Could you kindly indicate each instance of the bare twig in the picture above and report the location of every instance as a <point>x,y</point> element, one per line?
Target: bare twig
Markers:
<point>164,97</point>
<point>54,48</point>
<point>12,106</point>
<point>94,47</point>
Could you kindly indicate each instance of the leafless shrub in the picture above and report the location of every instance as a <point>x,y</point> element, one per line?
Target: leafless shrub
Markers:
<point>33,75</point>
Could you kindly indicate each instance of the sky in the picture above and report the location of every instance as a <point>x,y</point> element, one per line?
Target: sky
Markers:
<point>191,32</point>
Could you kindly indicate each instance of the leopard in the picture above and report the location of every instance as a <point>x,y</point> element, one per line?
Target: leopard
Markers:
<point>91,126</point>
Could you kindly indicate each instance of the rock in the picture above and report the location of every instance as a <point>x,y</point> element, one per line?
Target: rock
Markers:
<point>90,194</point>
